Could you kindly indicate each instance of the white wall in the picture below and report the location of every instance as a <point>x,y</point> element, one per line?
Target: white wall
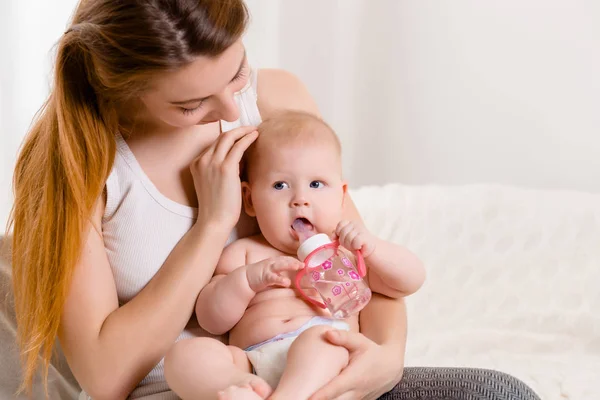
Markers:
<point>28,32</point>
<point>454,92</point>
<point>419,91</point>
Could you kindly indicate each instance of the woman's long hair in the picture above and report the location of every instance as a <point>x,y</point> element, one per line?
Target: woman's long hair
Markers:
<point>110,51</point>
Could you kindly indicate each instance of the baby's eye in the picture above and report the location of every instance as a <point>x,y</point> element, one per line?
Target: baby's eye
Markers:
<point>316,184</point>
<point>280,185</point>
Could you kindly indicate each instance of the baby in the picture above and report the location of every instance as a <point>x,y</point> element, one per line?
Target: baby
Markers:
<point>293,171</point>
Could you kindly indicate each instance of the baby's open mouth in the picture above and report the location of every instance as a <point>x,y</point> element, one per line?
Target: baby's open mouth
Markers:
<point>303,227</point>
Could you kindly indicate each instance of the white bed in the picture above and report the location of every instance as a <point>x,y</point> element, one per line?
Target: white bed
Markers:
<point>513,280</point>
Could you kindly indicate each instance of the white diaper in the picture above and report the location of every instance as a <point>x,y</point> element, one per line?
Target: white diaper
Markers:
<point>268,358</point>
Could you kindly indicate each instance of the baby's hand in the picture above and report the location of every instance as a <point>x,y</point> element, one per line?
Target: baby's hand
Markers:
<point>266,273</point>
<point>353,237</point>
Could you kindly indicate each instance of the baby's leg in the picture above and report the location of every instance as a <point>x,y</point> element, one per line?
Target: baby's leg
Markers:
<point>201,368</point>
<point>311,363</point>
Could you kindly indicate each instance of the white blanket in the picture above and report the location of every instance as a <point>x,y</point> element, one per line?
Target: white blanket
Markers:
<point>513,280</point>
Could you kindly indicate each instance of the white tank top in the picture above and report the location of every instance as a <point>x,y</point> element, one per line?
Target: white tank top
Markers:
<point>141,227</point>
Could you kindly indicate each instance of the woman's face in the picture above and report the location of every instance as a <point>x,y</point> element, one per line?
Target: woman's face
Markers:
<point>201,92</point>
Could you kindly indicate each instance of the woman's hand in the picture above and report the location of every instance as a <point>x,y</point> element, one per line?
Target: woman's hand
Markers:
<point>216,174</point>
<point>373,369</point>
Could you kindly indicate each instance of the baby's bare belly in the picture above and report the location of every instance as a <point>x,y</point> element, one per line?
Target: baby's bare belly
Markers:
<point>276,310</point>
<point>273,312</point>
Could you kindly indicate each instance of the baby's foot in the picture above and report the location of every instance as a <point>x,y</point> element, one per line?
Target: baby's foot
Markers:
<point>238,393</point>
<point>251,388</point>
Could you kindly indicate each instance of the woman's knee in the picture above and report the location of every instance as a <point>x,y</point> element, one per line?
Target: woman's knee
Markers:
<point>509,384</point>
<point>462,384</point>
<point>497,385</point>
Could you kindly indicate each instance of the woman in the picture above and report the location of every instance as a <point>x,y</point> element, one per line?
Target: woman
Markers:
<point>127,191</point>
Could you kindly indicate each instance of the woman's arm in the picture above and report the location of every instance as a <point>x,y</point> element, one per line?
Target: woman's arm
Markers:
<point>383,320</point>
<point>110,348</point>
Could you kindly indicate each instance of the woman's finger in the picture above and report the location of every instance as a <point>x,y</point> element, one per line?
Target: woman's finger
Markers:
<point>226,141</point>
<point>352,341</point>
<point>238,149</point>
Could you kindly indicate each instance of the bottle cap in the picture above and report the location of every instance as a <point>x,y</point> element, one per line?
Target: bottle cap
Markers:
<point>313,243</point>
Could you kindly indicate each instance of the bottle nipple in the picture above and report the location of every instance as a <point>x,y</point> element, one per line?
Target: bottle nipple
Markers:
<point>303,228</point>
<point>310,240</point>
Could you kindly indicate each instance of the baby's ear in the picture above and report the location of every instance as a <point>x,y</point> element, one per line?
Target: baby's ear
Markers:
<point>247,199</point>
<point>344,190</point>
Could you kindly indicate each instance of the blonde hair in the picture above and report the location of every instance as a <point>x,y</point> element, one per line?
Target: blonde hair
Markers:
<point>105,58</point>
<point>289,128</point>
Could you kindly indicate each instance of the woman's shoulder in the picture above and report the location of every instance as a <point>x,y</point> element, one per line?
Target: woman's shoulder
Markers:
<point>280,89</point>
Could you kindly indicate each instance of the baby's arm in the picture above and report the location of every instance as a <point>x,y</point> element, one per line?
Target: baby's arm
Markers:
<point>222,303</point>
<point>392,269</point>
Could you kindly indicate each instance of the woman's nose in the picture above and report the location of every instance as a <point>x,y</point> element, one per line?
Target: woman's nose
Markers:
<point>228,109</point>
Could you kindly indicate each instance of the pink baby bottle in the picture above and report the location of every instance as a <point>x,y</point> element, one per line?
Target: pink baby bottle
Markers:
<point>332,273</point>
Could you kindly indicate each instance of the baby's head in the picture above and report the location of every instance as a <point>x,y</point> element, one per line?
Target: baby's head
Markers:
<point>293,170</point>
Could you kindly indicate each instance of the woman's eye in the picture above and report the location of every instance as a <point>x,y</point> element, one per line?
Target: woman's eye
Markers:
<point>242,73</point>
<point>187,111</point>
<point>280,185</point>
<point>316,184</point>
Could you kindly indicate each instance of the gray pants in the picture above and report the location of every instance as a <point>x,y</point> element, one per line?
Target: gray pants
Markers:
<point>441,384</point>
<point>458,384</point>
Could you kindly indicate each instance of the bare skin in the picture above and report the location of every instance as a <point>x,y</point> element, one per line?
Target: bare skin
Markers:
<point>312,361</point>
<point>251,295</point>
<point>110,349</point>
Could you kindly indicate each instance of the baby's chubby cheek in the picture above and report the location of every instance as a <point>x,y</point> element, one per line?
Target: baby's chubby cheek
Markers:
<point>328,228</point>
<point>328,222</point>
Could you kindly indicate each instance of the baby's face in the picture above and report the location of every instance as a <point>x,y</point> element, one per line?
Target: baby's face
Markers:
<point>291,182</point>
